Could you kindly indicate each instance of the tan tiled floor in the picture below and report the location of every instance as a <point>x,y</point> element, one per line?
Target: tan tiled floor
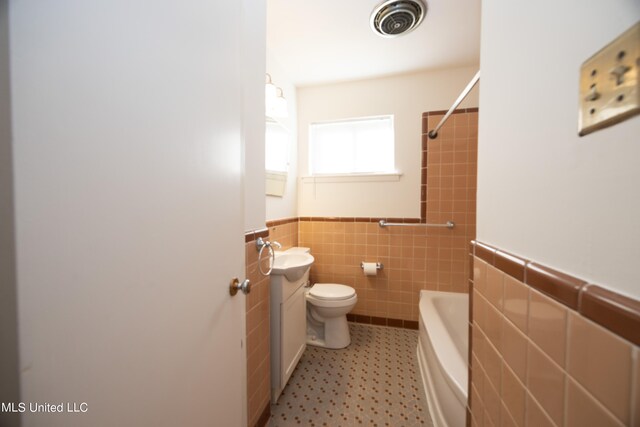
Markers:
<point>373,382</point>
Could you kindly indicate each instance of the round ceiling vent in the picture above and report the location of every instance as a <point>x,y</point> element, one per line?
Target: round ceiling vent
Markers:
<point>395,17</point>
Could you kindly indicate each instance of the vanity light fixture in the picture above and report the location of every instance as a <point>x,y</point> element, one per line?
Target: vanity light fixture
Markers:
<point>274,100</point>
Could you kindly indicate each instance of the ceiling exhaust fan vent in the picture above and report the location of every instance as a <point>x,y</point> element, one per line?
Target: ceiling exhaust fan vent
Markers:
<point>395,17</point>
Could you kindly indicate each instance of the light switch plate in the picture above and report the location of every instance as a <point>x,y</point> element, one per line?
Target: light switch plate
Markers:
<point>610,83</point>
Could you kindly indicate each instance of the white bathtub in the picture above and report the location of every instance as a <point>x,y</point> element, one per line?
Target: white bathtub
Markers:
<point>442,355</point>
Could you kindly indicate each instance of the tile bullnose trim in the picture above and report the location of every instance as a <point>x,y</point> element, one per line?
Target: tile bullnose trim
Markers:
<point>283,221</point>
<point>250,236</point>
<point>484,252</point>
<point>262,233</point>
<point>456,111</point>
<point>382,321</point>
<point>510,264</point>
<point>618,313</point>
<point>557,285</point>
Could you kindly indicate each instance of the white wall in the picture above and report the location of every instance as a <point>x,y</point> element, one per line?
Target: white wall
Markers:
<point>254,57</point>
<point>9,367</point>
<point>286,206</point>
<point>544,193</point>
<point>404,96</point>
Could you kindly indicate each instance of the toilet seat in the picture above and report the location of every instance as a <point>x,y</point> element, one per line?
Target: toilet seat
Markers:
<point>331,292</point>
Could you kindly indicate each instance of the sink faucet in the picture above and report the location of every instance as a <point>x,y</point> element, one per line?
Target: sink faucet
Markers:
<point>276,244</point>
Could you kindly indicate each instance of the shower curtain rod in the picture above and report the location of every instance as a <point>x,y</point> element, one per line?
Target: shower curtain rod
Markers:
<point>433,134</point>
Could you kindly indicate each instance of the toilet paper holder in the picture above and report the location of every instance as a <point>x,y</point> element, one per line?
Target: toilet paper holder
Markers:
<point>379,265</point>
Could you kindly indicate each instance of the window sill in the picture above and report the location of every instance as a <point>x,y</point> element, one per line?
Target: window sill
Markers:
<point>359,177</point>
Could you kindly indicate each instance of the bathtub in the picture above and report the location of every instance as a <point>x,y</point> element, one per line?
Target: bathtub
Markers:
<point>442,355</point>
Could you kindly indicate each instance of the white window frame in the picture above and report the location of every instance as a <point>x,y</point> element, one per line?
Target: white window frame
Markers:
<point>390,174</point>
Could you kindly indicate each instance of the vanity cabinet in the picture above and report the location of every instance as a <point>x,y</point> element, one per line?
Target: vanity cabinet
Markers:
<point>293,332</point>
<point>288,328</point>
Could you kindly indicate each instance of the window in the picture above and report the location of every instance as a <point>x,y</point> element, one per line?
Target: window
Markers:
<point>356,146</point>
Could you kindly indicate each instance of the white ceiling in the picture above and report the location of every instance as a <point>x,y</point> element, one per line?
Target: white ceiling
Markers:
<point>321,41</point>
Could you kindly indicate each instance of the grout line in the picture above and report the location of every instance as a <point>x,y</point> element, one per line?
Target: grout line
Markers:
<point>505,365</point>
<point>526,402</point>
<point>526,355</point>
<point>567,347</point>
<point>565,404</point>
<point>545,355</point>
<point>544,411</point>
<point>635,385</point>
<point>597,401</point>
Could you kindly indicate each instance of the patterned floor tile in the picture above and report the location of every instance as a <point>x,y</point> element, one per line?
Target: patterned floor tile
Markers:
<point>374,382</point>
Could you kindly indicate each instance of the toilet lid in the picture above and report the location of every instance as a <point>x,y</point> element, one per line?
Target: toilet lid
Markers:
<point>331,291</point>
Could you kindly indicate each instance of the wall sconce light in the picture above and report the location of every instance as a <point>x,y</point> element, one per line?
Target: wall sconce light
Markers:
<point>274,100</point>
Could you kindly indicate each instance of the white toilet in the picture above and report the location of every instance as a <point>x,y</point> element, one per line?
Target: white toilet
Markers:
<point>327,308</point>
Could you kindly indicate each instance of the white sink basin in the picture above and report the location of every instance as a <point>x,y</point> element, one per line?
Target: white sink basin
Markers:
<point>292,265</point>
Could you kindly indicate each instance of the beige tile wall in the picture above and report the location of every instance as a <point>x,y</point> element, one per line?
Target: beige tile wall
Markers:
<point>340,247</point>
<point>285,234</point>
<point>258,337</point>
<point>258,318</point>
<point>451,176</point>
<point>414,257</point>
<point>536,362</point>
<point>410,255</point>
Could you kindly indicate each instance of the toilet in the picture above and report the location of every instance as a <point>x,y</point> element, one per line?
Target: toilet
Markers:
<point>327,308</point>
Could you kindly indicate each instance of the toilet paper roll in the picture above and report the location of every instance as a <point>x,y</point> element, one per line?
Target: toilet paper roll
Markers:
<point>370,268</point>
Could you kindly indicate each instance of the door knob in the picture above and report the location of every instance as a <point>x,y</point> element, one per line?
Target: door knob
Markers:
<point>236,286</point>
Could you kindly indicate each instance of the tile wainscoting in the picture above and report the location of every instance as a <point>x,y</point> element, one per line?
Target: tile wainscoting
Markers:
<point>258,336</point>
<point>414,258</point>
<point>284,231</point>
<point>548,349</point>
<point>258,302</point>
